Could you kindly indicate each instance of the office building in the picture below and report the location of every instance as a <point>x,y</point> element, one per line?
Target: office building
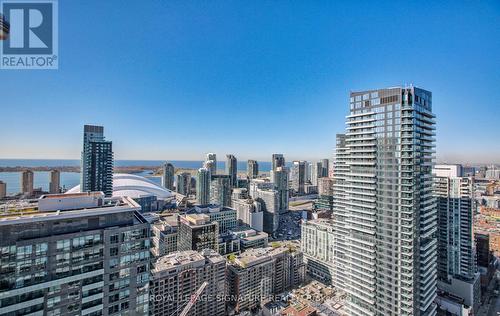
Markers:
<point>317,244</point>
<point>176,277</point>
<point>97,161</point>
<point>3,190</point>
<point>298,176</point>
<point>220,190</point>
<point>224,216</point>
<point>281,185</point>
<point>252,169</point>
<point>249,238</point>
<point>456,262</point>
<point>278,161</point>
<point>55,182</point>
<point>164,236</point>
<point>260,273</point>
<point>325,164</point>
<point>316,172</point>
<point>248,212</point>
<point>211,163</point>
<point>77,254</point>
<point>168,176</point>
<point>232,170</point>
<point>203,186</point>
<point>385,205</point>
<point>197,232</point>
<point>325,194</point>
<point>183,185</point>
<point>27,182</point>
<point>269,200</point>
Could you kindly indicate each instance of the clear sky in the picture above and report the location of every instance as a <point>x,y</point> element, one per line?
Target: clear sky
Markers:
<point>177,79</point>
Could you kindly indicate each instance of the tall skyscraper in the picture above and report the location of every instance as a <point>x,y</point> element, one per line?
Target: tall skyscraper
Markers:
<point>3,189</point>
<point>220,190</point>
<point>457,268</point>
<point>278,161</point>
<point>168,176</point>
<point>203,186</point>
<point>325,164</point>
<point>298,176</point>
<point>55,180</point>
<point>97,161</point>
<point>232,169</point>
<point>386,205</point>
<point>211,163</point>
<point>281,185</point>
<point>269,200</point>
<point>252,169</point>
<point>184,183</point>
<point>339,216</point>
<point>317,172</point>
<point>82,254</point>
<point>27,182</point>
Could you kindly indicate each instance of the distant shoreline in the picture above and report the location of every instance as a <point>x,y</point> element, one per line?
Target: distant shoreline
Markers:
<point>121,169</point>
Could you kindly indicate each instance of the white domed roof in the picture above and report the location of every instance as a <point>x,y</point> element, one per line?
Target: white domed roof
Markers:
<point>134,186</point>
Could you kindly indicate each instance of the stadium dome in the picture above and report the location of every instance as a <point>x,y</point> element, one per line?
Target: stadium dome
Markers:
<point>134,186</point>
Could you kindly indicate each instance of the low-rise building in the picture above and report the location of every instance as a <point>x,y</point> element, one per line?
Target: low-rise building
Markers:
<point>177,276</point>
<point>257,274</point>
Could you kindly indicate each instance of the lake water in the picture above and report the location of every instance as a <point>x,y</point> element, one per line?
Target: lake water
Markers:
<point>71,179</point>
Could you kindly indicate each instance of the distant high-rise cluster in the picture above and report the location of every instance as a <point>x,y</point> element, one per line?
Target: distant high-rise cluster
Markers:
<point>97,161</point>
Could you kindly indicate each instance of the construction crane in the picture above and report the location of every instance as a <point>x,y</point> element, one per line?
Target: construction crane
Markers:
<point>193,299</point>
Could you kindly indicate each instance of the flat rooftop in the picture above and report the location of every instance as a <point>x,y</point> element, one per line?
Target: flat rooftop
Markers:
<point>20,211</point>
<point>257,255</point>
<point>185,258</point>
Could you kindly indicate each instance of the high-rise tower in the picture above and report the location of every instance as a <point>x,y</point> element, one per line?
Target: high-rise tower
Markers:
<point>252,169</point>
<point>97,161</point>
<point>232,169</point>
<point>55,180</point>
<point>211,163</point>
<point>168,176</point>
<point>384,203</point>
<point>203,186</point>
<point>456,262</point>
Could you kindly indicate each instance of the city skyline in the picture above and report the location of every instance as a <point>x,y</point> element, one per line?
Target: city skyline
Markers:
<point>214,66</point>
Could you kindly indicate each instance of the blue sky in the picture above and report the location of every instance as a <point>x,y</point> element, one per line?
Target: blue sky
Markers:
<point>174,80</point>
